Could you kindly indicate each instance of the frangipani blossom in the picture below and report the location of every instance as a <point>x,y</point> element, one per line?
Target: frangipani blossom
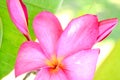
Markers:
<point>78,66</point>
<point>63,55</point>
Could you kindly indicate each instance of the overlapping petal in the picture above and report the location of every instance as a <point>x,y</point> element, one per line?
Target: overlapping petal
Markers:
<point>18,14</point>
<point>30,57</point>
<point>25,10</point>
<point>47,29</point>
<point>82,65</point>
<point>81,33</point>
<point>44,74</point>
<point>106,27</point>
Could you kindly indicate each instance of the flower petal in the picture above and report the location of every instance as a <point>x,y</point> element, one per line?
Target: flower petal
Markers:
<point>82,65</point>
<point>25,10</point>
<point>81,33</point>
<point>44,74</point>
<point>30,57</point>
<point>18,14</point>
<point>47,29</point>
<point>106,27</point>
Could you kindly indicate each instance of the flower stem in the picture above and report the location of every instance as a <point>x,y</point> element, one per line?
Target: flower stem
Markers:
<point>27,75</point>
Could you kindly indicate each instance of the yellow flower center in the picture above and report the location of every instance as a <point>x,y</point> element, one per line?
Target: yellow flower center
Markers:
<point>54,64</point>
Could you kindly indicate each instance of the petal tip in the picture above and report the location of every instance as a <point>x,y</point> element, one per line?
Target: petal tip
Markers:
<point>91,15</point>
<point>106,27</point>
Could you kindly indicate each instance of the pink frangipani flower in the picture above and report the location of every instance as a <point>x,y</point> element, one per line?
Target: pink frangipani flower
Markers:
<point>59,55</point>
<point>63,55</point>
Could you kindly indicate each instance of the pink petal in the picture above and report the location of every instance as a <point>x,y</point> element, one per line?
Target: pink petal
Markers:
<point>81,33</point>
<point>30,57</point>
<point>106,27</point>
<point>47,29</point>
<point>81,66</point>
<point>25,10</point>
<point>44,74</point>
<point>18,14</point>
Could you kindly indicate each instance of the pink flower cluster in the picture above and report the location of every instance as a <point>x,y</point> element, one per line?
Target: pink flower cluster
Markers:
<point>59,54</point>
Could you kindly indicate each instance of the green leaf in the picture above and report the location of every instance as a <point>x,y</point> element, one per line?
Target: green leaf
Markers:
<point>110,68</point>
<point>12,38</point>
<point>1,32</point>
